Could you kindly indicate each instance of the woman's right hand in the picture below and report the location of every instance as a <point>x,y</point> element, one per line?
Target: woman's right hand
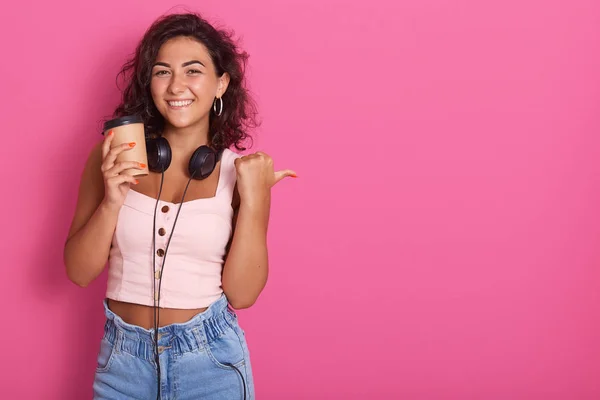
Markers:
<point>116,184</point>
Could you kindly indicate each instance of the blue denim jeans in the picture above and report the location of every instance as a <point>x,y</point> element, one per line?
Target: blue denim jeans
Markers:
<point>204,358</point>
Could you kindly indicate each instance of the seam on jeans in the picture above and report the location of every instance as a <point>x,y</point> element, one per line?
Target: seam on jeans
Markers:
<point>247,381</point>
<point>174,367</point>
<point>245,355</point>
<point>229,319</point>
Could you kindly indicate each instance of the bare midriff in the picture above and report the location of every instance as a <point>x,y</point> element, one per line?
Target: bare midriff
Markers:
<point>141,315</point>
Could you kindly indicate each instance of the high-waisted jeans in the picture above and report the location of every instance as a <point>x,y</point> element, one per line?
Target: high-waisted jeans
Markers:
<point>204,358</point>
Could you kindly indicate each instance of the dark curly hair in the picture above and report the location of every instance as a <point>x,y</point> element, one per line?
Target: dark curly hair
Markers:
<point>239,109</point>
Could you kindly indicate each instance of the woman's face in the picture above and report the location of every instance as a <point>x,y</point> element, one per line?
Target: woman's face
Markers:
<point>184,83</point>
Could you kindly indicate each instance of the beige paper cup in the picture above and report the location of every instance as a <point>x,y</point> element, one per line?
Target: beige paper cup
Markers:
<point>129,129</point>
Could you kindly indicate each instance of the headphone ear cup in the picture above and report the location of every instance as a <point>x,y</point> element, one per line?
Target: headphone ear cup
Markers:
<point>159,154</point>
<point>202,163</point>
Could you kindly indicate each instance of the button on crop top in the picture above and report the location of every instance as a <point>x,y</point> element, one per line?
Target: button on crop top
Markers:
<point>194,261</point>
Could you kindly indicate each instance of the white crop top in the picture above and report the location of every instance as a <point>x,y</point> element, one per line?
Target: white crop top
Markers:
<point>194,260</point>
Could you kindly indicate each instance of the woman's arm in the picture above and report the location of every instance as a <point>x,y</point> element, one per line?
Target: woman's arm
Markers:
<point>247,265</point>
<point>88,243</point>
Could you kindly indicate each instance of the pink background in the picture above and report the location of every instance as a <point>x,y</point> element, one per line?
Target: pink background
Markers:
<point>441,241</point>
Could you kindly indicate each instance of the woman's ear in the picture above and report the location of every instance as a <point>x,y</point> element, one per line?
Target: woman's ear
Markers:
<point>223,84</point>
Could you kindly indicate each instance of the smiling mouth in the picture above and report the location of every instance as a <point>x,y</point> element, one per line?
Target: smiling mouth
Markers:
<point>180,103</point>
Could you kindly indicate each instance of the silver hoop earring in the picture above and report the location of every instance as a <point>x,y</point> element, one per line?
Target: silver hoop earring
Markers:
<point>218,114</point>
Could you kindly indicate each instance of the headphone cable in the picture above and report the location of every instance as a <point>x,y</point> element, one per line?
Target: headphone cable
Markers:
<point>157,294</point>
<point>155,309</point>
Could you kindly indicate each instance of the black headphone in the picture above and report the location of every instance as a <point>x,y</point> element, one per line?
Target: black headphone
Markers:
<point>201,165</point>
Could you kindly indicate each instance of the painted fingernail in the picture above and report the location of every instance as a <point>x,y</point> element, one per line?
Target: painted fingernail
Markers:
<point>110,133</point>
<point>136,181</point>
<point>142,165</point>
<point>131,144</point>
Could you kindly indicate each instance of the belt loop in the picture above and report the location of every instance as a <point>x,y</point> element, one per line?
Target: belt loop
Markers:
<point>119,340</point>
<point>200,337</point>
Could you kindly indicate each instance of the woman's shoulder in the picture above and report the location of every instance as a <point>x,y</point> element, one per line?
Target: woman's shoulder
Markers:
<point>228,157</point>
<point>95,153</point>
<point>94,161</point>
<point>232,153</point>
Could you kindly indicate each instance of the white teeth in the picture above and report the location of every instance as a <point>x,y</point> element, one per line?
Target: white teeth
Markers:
<point>181,103</point>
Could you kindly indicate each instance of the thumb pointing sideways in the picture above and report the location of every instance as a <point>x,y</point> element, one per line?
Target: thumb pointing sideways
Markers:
<point>279,175</point>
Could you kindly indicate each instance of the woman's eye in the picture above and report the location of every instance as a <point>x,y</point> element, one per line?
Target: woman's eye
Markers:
<point>159,73</point>
<point>194,71</point>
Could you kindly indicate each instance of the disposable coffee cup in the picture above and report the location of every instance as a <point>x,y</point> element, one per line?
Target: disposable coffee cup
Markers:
<point>129,129</point>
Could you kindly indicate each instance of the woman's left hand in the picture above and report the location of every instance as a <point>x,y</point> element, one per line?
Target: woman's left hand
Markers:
<point>256,176</point>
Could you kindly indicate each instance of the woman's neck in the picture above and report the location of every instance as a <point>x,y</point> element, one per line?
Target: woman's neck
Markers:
<point>184,142</point>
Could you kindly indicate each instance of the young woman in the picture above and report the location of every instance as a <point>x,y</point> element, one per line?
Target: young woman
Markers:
<point>197,246</point>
